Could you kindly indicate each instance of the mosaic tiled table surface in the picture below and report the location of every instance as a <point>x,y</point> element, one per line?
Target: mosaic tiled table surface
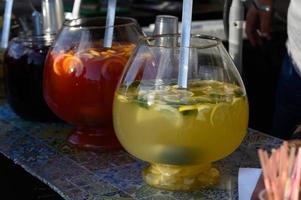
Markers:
<point>79,175</point>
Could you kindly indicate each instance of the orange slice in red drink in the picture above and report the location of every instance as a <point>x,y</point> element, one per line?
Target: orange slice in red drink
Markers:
<point>58,63</point>
<point>73,64</point>
<point>67,64</point>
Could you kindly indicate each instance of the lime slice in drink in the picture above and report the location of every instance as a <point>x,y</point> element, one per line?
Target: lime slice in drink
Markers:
<point>184,93</point>
<point>202,99</point>
<point>172,99</point>
<point>219,113</point>
<point>197,91</point>
<point>179,98</point>
<point>170,113</point>
<point>238,92</point>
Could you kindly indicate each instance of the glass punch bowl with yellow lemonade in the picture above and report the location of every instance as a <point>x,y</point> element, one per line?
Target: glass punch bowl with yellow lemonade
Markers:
<point>180,131</point>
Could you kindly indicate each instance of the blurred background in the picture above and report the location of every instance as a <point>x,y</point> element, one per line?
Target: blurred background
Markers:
<point>261,65</point>
<point>144,11</point>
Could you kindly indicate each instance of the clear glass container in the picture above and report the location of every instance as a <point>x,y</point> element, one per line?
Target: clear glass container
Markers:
<point>23,77</point>
<point>180,131</point>
<point>81,76</point>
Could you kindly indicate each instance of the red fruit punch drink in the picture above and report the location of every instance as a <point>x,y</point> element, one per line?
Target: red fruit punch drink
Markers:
<point>79,87</point>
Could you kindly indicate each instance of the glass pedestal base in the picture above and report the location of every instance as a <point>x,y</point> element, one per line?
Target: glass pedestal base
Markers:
<point>180,178</point>
<point>93,139</point>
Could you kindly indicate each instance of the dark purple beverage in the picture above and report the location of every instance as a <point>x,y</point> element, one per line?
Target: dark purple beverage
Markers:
<point>23,77</point>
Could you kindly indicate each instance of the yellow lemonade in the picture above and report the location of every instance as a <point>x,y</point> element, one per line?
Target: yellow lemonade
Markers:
<point>173,126</point>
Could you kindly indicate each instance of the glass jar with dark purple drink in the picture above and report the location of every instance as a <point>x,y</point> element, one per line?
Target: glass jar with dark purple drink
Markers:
<point>23,77</point>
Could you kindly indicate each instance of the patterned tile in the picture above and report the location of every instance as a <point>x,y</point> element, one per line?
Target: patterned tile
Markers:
<point>146,191</point>
<point>126,178</point>
<point>99,188</point>
<point>159,197</point>
<point>102,160</point>
<point>63,183</point>
<point>76,194</point>
<point>82,175</point>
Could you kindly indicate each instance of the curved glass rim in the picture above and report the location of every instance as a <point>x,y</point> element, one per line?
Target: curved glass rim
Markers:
<point>27,39</point>
<point>78,23</point>
<point>199,36</point>
<point>34,37</point>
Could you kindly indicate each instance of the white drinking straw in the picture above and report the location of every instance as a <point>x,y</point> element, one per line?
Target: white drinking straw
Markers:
<point>185,43</point>
<point>110,23</point>
<point>75,10</point>
<point>6,23</point>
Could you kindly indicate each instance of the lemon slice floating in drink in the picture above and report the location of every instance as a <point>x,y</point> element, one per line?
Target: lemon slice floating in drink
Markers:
<point>188,108</point>
<point>122,98</point>
<point>203,112</point>
<point>170,113</point>
<point>219,113</point>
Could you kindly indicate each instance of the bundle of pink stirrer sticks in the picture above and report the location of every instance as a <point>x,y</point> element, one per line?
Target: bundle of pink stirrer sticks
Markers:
<point>281,172</point>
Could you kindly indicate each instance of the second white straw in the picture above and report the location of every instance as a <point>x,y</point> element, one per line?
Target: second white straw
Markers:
<point>185,43</point>
<point>75,10</point>
<point>6,23</point>
<point>110,23</point>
